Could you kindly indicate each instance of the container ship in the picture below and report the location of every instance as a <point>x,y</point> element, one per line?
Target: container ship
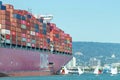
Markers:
<point>30,45</point>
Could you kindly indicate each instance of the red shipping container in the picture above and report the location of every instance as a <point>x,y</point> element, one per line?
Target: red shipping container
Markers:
<point>13,33</point>
<point>13,28</point>
<point>23,35</point>
<point>14,42</point>
<point>28,40</point>
<point>18,38</point>
<point>13,38</point>
<point>4,17</point>
<point>33,45</point>
<point>33,18</point>
<point>5,27</point>
<point>4,12</point>
<point>15,11</point>
<point>41,46</point>
<point>37,45</point>
<point>48,36</point>
<point>38,42</point>
<point>40,26</point>
<point>13,20</point>
<point>37,39</point>
<point>23,22</point>
<point>28,32</point>
<point>32,29</point>
<point>18,30</point>
<point>5,22</point>
<point>28,24</point>
<point>52,24</point>
<point>28,36</point>
<point>37,34</point>
<point>41,42</point>
<point>24,12</point>
<point>41,35</point>
<point>32,37</point>
<point>24,31</point>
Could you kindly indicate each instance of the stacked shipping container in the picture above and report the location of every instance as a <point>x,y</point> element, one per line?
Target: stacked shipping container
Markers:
<point>20,28</point>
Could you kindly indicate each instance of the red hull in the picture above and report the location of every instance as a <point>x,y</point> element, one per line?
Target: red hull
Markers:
<point>18,62</point>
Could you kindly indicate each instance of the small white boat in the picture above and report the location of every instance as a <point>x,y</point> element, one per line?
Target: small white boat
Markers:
<point>64,70</point>
<point>80,71</point>
<point>97,70</point>
<point>114,71</point>
<point>74,70</point>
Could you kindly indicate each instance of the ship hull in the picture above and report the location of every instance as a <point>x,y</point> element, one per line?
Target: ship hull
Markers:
<point>19,62</point>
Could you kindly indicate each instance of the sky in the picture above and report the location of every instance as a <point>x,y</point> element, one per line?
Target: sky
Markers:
<point>84,20</point>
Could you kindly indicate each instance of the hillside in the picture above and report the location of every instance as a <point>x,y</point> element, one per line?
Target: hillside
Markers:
<point>83,51</point>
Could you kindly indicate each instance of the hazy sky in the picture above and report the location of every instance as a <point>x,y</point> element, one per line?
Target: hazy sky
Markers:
<point>84,20</point>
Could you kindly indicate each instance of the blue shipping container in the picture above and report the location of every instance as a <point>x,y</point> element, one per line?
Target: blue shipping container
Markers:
<point>17,16</point>
<point>44,32</point>
<point>44,25</point>
<point>28,16</point>
<point>36,26</point>
<point>48,40</point>
<point>41,20</point>
<point>2,7</point>
<point>23,17</point>
<point>36,30</point>
<point>0,2</point>
<point>57,35</point>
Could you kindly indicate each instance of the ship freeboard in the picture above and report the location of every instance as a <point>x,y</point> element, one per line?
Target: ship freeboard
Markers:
<point>30,45</point>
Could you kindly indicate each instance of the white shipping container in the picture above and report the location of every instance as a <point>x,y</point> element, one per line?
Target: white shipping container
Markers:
<point>5,31</point>
<point>32,33</point>
<point>28,44</point>
<point>68,41</point>
<point>7,41</point>
<point>23,26</point>
<point>24,39</point>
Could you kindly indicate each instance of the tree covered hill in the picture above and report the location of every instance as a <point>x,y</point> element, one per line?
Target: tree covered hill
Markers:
<point>83,51</point>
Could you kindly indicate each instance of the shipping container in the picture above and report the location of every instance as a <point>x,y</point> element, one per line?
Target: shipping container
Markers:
<point>14,42</point>
<point>29,44</point>
<point>23,43</point>
<point>7,36</point>
<point>2,7</point>
<point>18,38</point>
<point>7,41</point>
<point>18,30</point>
<point>22,28</point>
<point>13,38</point>
<point>0,2</point>
<point>3,26</point>
<point>28,40</point>
<point>5,31</point>
<point>19,42</point>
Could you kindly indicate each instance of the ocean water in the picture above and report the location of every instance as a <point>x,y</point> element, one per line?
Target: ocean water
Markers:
<point>67,77</point>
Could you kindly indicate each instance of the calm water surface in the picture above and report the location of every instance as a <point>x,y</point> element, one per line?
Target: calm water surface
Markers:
<point>67,77</point>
